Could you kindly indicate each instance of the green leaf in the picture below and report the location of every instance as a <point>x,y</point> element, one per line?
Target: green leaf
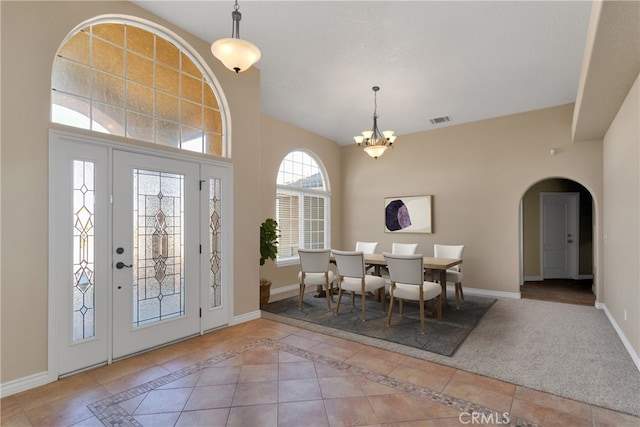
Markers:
<point>268,240</point>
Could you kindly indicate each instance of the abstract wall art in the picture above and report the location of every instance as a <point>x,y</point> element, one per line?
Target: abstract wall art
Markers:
<point>408,214</point>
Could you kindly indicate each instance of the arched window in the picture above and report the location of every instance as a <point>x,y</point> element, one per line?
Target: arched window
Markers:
<point>131,80</point>
<point>302,206</point>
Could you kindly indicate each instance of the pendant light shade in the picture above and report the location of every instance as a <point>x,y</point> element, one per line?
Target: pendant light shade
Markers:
<point>235,53</point>
<point>375,151</point>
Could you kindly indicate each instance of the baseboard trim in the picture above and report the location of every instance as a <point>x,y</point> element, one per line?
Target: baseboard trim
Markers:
<point>541,278</point>
<point>485,292</point>
<point>25,383</point>
<point>253,315</point>
<point>625,341</point>
<point>283,289</point>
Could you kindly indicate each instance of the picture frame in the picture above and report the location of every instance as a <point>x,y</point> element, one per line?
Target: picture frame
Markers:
<point>408,214</point>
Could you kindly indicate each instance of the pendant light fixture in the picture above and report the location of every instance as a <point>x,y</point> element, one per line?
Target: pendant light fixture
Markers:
<point>235,53</point>
<point>375,142</point>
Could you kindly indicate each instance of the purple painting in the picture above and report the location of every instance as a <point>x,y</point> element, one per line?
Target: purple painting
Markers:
<point>408,214</point>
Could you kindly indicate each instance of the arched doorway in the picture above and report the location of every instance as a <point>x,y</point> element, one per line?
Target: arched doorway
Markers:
<point>557,242</point>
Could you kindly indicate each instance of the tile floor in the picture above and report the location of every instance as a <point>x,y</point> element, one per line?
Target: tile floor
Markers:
<point>264,373</point>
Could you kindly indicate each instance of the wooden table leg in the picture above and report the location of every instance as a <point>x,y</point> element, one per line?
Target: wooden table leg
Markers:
<point>379,293</point>
<point>443,283</point>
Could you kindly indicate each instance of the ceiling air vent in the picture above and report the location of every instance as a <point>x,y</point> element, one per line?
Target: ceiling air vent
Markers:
<point>440,120</point>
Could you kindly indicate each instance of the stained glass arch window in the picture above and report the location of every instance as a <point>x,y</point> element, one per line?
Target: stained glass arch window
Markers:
<point>132,79</point>
<point>302,206</point>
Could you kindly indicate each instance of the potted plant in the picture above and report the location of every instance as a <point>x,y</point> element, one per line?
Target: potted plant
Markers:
<point>268,250</point>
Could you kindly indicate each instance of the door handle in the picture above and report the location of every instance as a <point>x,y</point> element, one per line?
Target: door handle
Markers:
<point>120,265</point>
<point>569,241</point>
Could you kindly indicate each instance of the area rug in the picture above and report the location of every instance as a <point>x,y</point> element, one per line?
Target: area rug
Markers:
<point>442,337</point>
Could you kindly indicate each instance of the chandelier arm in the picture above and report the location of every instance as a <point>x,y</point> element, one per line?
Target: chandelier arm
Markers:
<point>376,132</point>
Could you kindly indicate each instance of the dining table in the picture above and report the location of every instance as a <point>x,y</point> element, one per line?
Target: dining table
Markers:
<point>435,266</point>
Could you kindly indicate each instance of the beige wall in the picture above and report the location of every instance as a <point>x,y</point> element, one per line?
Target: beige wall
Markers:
<point>621,220</point>
<point>31,34</point>
<point>477,173</point>
<point>278,140</point>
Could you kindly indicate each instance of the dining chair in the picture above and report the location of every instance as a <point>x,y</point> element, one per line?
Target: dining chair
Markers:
<point>404,248</point>
<point>353,278</point>
<point>315,271</point>
<point>454,275</point>
<point>367,248</point>
<point>407,283</point>
<point>399,249</point>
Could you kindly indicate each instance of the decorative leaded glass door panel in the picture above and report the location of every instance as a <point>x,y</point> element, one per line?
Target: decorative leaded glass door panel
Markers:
<point>78,248</point>
<point>156,251</point>
<point>215,235</point>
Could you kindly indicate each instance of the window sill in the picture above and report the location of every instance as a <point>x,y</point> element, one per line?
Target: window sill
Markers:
<point>288,262</point>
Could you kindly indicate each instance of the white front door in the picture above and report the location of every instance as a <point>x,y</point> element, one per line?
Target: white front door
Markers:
<point>156,251</point>
<point>140,250</point>
<point>559,218</point>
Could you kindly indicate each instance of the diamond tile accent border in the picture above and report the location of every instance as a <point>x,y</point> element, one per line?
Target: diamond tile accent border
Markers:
<point>110,413</point>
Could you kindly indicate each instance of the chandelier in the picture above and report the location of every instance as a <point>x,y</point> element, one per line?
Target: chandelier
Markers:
<point>375,142</point>
<point>236,54</point>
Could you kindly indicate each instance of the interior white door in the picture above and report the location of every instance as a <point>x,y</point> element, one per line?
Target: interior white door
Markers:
<point>156,251</point>
<point>560,216</point>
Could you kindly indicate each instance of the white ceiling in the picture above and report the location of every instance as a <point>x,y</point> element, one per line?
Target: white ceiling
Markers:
<point>470,60</point>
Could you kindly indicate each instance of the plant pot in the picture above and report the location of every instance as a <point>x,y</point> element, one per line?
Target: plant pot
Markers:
<point>265,291</point>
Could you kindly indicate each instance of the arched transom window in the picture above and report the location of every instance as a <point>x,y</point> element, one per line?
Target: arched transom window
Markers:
<point>302,205</point>
<point>127,80</point>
